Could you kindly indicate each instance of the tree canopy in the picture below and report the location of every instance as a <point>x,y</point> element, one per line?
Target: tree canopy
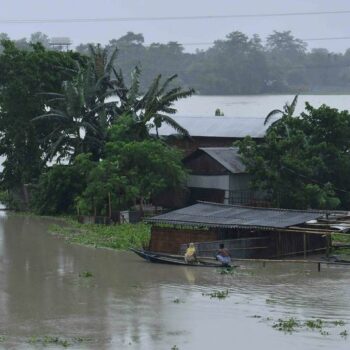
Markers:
<point>25,75</point>
<point>304,160</point>
<point>79,111</point>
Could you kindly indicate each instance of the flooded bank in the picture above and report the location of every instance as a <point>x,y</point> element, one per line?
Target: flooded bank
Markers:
<point>52,292</point>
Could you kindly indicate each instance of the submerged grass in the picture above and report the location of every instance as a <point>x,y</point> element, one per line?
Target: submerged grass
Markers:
<point>217,294</point>
<point>120,237</point>
<point>288,326</point>
<point>49,340</point>
<point>292,325</point>
<point>86,274</point>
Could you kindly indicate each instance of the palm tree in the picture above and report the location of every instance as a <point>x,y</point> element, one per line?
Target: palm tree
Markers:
<point>154,107</point>
<point>288,110</point>
<point>78,115</point>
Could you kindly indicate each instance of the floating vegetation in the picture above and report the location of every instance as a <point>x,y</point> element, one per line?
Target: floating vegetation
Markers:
<point>47,340</point>
<point>218,294</point>
<point>230,270</point>
<point>291,325</point>
<point>2,338</point>
<point>115,236</point>
<point>288,326</point>
<point>344,333</point>
<point>175,347</point>
<point>314,324</point>
<point>52,340</point>
<point>177,301</point>
<point>86,274</point>
<point>270,301</point>
<point>256,316</point>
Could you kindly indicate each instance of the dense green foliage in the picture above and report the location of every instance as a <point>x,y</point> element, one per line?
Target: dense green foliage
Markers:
<point>116,237</point>
<point>304,161</point>
<point>59,186</point>
<point>131,172</point>
<point>24,76</point>
<point>80,114</point>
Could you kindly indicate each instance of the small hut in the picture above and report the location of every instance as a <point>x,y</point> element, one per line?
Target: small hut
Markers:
<point>248,232</point>
<point>217,174</point>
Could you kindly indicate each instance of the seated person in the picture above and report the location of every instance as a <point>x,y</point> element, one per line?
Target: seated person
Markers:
<point>191,254</point>
<point>223,255</point>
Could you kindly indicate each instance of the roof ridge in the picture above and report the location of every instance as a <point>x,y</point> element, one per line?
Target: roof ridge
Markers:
<point>216,117</point>
<point>264,209</point>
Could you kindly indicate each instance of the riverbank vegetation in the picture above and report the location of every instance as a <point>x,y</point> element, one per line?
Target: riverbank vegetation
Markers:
<point>119,237</point>
<point>78,113</point>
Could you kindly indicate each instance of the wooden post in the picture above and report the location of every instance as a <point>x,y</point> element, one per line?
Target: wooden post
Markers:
<point>318,266</point>
<point>327,246</point>
<point>305,247</point>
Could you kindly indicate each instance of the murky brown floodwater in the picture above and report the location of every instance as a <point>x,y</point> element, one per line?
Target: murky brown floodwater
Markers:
<point>128,303</point>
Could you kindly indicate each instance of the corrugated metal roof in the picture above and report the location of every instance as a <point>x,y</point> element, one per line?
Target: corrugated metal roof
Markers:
<point>233,127</point>
<point>227,157</point>
<point>221,215</point>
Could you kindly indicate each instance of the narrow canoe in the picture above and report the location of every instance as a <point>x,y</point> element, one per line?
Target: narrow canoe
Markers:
<point>172,259</point>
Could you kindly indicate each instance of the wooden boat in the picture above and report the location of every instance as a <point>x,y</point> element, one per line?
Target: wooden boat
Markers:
<point>160,258</point>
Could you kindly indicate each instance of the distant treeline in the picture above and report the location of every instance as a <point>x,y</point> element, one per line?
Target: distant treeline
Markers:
<point>236,65</point>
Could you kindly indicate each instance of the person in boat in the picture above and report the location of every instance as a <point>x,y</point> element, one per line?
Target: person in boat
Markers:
<point>223,255</point>
<point>191,254</point>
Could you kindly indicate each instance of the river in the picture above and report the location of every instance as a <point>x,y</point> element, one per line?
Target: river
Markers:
<point>254,105</point>
<point>131,304</point>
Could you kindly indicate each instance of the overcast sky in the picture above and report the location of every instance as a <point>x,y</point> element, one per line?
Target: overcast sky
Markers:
<point>182,31</point>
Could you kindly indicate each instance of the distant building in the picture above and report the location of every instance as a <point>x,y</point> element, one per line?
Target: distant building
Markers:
<point>213,131</point>
<point>217,174</point>
<point>60,43</point>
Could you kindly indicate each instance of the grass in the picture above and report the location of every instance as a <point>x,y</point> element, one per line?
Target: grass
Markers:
<point>341,238</point>
<point>119,237</point>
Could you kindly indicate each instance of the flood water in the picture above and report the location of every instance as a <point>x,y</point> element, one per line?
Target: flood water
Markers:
<point>254,105</point>
<point>129,303</point>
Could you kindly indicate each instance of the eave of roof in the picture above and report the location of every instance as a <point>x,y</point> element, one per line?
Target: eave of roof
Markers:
<point>228,157</point>
<point>216,215</point>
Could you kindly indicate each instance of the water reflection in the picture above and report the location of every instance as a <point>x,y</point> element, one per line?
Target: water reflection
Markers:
<point>129,303</point>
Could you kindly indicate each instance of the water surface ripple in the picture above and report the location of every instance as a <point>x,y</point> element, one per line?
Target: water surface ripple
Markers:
<point>129,303</point>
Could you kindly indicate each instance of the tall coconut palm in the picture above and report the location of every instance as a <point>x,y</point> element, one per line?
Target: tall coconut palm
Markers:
<point>287,111</point>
